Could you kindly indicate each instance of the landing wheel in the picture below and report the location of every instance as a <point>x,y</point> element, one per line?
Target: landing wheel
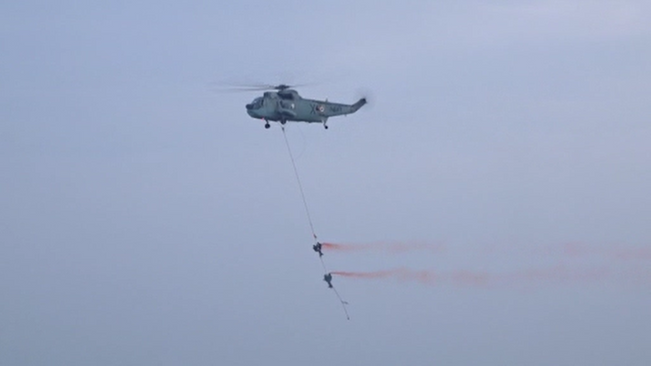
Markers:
<point>283,122</point>
<point>326,127</point>
<point>267,125</point>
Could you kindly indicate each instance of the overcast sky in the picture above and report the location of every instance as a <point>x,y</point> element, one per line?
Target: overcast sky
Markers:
<point>146,220</point>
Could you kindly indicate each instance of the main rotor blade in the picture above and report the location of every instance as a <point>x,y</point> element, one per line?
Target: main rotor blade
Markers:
<point>233,88</point>
<point>302,85</point>
<point>237,87</point>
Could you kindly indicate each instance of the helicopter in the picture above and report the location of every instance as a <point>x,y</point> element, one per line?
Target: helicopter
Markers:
<point>285,104</point>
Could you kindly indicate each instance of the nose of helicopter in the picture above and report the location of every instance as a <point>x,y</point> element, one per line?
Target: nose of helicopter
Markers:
<point>250,111</point>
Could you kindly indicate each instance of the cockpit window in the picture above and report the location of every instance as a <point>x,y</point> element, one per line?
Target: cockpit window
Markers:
<point>257,103</point>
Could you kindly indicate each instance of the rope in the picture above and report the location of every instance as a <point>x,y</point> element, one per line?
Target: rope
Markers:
<point>343,303</point>
<point>300,185</point>
<point>309,218</point>
<point>325,270</point>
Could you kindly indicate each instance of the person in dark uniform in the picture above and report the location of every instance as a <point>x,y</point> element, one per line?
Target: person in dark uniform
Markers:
<point>317,248</point>
<point>328,278</point>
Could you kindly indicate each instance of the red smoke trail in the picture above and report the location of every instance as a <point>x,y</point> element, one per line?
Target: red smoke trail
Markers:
<point>393,247</point>
<point>631,253</point>
<point>481,279</point>
<point>612,252</point>
<point>427,277</point>
<point>375,274</point>
<point>569,249</point>
<point>575,250</point>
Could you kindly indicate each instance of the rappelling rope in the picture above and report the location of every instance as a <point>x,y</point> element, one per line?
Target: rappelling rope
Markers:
<point>343,303</point>
<point>309,218</point>
<point>323,265</point>
<point>300,185</point>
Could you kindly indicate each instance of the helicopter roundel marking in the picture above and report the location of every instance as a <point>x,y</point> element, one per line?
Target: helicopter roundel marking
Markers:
<point>321,108</point>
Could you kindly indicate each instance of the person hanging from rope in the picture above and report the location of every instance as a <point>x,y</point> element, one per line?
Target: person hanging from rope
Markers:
<point>328,278</point>
<point>317,248</point>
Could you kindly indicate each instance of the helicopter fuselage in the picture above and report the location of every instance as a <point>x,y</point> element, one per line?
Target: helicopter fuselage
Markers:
<point>287,105</point>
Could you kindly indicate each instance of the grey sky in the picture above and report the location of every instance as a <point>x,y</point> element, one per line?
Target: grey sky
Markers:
<point>146,220</point>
